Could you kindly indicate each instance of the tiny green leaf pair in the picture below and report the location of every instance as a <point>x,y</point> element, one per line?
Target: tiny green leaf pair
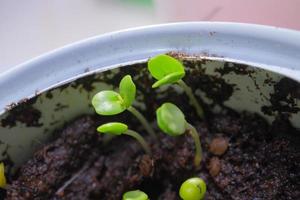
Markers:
<point>168,70</point>
<point>171,121</point>
<point>109,102</point>
<point>165,69</point>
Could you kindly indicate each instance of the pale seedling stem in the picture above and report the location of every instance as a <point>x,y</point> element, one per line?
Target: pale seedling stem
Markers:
<point>198,154</point>
<point>140,139</point>
<point>192,98</point>
<point>143,120</point>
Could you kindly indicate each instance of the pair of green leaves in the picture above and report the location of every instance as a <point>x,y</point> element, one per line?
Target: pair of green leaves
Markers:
<point>109,102</point>
<point>165,69</point>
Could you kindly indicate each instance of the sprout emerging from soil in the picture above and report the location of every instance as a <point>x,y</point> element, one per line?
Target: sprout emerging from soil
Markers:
<point>193,189</point>
<point>135,195</point>
<point>109,102</point>
<point>2,176</point>
<point>171,121</point>
<point>167,70</point>
<point>117,128</point>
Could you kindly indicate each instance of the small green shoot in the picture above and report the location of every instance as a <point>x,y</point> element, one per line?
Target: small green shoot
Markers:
<point>193,189</point>
<point>168,70</point>
<point>135,195</point>
<point>2,176</point>
<point>109,102</point>
<point>171,121</point>
<point>117,128</point>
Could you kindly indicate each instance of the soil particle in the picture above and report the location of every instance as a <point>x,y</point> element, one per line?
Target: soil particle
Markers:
<point>85,83</point>
<point>10,106</point>
<point>49,95</point>
<point>77,166</point>
<point>226,125</point>
<point>255,173</point>
<point>214,166</point>
<point>169,194</point>
<point>25,114</point>
<point>146,166</point>
<point>284,99</point>
<point>60,107</point>
<point>214,87</point>
<point>257,165</point>
<point>218,146</point>
<point>238,69</point>
<point>54,163</point>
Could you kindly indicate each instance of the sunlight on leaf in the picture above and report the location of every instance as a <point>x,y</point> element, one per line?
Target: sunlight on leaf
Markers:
<point>108,103</point>
<point>171,78</point>
<point>170,119</point>
<point>163,65</point>
<point>113,128</point>
<point>135,195</point>
<point>127,90</point>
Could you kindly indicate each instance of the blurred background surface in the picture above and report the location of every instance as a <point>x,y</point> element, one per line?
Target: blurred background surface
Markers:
<point>33,27</point>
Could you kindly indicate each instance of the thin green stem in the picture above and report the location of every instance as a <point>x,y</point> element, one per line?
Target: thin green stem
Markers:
<point>140,139</point>
<point>192,98</point>
<point>143,120</point>
<point>198,154</point>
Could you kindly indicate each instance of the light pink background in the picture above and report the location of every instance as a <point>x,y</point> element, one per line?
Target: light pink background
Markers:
<point>281,13</point>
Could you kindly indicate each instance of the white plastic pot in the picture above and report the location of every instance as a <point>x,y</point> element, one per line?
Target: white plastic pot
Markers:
<point>273,52</point>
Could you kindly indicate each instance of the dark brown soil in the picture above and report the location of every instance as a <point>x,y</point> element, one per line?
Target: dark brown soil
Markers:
<point>251,162</point>
<point>244,157</point>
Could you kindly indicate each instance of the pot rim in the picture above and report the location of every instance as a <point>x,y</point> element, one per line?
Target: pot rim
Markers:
<point>271,48</point>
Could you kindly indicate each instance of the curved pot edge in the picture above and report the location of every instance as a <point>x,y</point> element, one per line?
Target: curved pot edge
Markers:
<point>257,45</point>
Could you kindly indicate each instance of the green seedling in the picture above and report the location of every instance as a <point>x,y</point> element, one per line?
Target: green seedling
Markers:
<point>2,176</point>
<point>109,102</point>
<point>135,195</point>
<point>117,128</point>
<point>193,189</point>
<point>168,70</point>
<point>3,182</point>
<point>171,121</point>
